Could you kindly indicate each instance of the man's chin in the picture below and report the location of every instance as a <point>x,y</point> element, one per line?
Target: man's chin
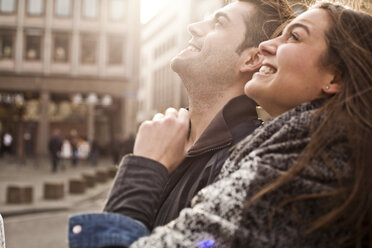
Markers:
<point>184,66</point>
<point>176,64</point>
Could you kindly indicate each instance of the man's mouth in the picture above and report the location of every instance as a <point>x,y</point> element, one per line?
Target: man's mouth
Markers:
<point>193,48</point>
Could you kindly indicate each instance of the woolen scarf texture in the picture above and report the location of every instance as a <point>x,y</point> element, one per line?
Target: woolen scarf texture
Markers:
<point>218,216</point>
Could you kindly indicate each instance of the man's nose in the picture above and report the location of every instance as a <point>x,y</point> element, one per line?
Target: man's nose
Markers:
<point>196,29</point>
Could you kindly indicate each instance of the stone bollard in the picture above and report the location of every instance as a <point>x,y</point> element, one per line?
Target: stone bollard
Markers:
<point>77,186</point>
<point>112,171</point>
<point>101,176</point>
<point>90,180</point>
<point>54,190</point>
<point>17,194</point>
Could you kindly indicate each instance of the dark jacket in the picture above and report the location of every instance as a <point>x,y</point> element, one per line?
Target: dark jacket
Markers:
<point>146,192</point>
<point>55,144</point>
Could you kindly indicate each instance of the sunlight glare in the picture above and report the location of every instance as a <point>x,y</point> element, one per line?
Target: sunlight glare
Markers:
<point>149,8</point>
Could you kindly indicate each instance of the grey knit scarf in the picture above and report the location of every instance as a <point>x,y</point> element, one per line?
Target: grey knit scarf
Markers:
<point>278,145</point>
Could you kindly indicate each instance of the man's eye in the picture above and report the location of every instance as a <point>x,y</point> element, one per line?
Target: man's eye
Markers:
<point>219,21</point>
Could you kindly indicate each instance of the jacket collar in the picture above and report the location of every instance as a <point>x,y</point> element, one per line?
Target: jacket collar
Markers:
<point>217,134</point>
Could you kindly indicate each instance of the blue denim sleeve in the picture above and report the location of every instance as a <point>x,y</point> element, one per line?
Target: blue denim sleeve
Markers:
<point>104,230</point>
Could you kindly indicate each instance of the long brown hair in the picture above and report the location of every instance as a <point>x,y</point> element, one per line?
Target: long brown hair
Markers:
<point>346,114</point>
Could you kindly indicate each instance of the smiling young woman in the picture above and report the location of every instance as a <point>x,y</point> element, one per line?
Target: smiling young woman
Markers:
<point>291,73</point>
<point>325,53</point>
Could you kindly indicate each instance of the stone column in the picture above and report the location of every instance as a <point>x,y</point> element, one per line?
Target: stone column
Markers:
<point>75,49</point>
<point>19,37</point>
<point>128,114</point>
<point>43,127</point>
<point>48,38</point>
<point>47,50</point>
<point>20,133</point>
<point>90,123</point>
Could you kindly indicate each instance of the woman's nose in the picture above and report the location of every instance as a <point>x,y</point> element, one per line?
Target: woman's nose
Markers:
<point>268,47</point>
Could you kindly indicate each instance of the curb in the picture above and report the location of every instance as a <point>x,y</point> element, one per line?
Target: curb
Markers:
<point>62,206</point>
<point>13,213</point>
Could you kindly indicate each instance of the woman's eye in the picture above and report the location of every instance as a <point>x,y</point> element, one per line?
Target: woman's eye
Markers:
<point>293,36</point>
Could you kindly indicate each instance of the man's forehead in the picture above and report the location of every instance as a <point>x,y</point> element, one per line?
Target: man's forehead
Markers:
<point>233,10</point>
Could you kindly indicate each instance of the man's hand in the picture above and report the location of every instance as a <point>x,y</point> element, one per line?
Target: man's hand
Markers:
<point>164,138</point>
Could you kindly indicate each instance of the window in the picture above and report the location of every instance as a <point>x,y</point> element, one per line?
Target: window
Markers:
<point>88,49</point>
<point>165,47</point>
<point>33,45</point>
<point>6,44</point>
<point>90,8</point>
<point>61,45</point>
<point>62,7</point>
<point>35,7</point>
<point>7,6</point>
<point>116,9</point>
<point>115,50</point>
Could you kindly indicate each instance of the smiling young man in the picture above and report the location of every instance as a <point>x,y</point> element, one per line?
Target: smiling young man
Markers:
<point>220,58</point>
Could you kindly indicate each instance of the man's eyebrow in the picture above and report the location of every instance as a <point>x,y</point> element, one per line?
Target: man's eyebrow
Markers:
<point>223,14</point>
<point>295,25</point>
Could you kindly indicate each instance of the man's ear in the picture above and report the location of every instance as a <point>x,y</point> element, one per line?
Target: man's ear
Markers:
<point>250,60</point>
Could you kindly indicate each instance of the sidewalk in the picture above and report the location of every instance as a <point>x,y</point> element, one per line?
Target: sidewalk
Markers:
<point>12,173</point>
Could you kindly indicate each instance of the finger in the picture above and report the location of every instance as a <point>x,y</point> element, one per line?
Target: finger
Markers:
<point>171,112</point>
<point>183,115</point>
<point>158,116</point>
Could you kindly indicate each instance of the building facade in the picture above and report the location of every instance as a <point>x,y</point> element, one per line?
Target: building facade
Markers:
<point>163,37</point>
<point>68,64</point>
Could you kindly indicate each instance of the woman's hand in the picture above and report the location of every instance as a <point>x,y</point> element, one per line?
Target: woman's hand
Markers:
<point>164,138</point>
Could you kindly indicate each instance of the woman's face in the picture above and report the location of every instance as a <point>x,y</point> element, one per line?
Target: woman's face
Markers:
<point>291,72</point>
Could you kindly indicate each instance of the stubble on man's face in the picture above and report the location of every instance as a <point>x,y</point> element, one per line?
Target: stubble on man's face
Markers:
<point>217,59</point>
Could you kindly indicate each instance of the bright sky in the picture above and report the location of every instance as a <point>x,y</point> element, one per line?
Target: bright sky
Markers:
<point>149,8</point>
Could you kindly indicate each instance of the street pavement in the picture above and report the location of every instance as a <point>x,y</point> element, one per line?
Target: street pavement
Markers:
<point>47,229</point>
<point>37,172</point>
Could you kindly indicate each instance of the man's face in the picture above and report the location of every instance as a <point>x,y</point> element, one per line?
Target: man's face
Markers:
<point>211,52</point>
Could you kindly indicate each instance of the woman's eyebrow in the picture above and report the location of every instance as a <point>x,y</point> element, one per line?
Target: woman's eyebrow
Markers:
<point>295,25</point>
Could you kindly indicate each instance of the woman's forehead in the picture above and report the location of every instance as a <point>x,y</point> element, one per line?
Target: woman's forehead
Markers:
<point>315,19</point>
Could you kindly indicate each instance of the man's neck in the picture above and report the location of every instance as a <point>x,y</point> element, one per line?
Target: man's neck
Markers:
<point>203,108</point>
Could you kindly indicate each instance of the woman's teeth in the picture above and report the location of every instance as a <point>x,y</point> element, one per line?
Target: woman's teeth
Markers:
<point>267,69</point>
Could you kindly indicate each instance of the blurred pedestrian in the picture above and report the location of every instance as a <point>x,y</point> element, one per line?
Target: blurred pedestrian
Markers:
<point>55,146</point>
<point>74,141</point>
<point>7,143</point>
<point>83,149</point>
<point>28,144</point>
<point>66,152</point>
<point>94,152</point>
